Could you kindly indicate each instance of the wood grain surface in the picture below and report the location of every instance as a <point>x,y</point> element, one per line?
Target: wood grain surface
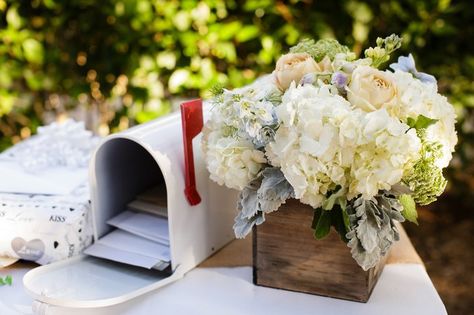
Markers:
<point>286,256</point>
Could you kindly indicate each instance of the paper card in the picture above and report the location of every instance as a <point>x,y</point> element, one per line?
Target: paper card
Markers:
<point>142,224</point>
<point>122,256</point>
<point>135,244</point>
<point>54,181</point>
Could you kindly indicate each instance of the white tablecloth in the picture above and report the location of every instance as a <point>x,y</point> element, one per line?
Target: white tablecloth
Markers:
<point>403,289</point>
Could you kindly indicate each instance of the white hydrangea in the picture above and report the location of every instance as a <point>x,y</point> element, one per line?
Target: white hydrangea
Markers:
<point>322,143</point>
<point>417,98</point>
<point>231,134</point>
<point>383,151</point>
<point>306,145</point>
<point>231,160</point>
<point>245,110</point>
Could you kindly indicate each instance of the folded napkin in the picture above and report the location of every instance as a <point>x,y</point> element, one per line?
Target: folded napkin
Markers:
<point>44,195</point>
<point>43,228</point>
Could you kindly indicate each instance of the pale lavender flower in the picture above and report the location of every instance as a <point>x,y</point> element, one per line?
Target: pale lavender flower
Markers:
<point>407,64</point>
<point>339,79</point>
<point>308,78</point>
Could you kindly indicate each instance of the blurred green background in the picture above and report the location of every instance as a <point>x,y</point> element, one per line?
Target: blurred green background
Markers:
<point>125,62</point>
<point>118,63</point>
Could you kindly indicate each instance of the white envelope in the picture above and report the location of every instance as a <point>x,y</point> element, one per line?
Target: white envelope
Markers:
<point>148,226</point>
<point>54,181</point>
<point>111,253</point>
<point>135,244</point>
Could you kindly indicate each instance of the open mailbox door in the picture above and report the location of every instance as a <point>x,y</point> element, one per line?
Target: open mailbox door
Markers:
<point>125,165</point>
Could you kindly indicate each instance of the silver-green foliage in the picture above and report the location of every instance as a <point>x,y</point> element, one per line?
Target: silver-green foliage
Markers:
<point>372,230</point>
<point>263,195</point>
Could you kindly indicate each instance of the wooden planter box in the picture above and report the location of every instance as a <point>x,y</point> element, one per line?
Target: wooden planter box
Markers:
<point>286,256</point>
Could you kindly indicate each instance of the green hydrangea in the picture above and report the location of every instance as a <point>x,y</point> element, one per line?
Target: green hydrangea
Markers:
<point>318,50</point>
<point>426,179</point>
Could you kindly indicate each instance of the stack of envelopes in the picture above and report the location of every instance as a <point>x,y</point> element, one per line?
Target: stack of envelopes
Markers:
<point>141,235</point>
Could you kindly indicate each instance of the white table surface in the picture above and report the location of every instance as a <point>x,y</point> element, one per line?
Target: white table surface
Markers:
<point>403,289</point>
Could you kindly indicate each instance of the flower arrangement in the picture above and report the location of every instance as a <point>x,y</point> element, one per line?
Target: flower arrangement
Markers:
<point>361,145</point>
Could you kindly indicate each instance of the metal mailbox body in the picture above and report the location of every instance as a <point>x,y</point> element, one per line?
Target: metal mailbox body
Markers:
<point>123,165</point>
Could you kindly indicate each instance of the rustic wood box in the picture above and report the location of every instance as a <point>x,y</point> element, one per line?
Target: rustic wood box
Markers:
<point>286,256</point>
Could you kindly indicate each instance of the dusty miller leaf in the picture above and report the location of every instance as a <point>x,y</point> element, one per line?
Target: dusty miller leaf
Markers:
<point>263,195</point>
<point>248,200</point>
<point>372,230</point>
<point>274,190</point>
<point>248,208</point>
<point>243,225</point>
<point>367,228</point>
<point>365,260</point>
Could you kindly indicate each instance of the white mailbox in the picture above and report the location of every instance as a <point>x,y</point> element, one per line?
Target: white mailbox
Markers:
<point>124,165</point>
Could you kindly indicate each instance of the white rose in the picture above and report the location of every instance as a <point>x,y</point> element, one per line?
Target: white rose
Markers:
<point>371,89</point>
<point>292,67</point>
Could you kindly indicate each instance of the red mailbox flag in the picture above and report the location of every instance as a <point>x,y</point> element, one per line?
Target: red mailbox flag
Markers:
<point>192,122</point>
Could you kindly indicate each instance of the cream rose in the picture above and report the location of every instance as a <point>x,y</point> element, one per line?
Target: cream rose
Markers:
<point>371,89</point>
<point>292,67</point>
<point>231,161</point>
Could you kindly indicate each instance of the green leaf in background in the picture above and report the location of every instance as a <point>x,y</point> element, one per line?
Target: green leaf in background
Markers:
<point>324,224</point>
<point>6,102</point>
<point>409,208</point>
<point>178,79</point>
<point>87,54</point>
<point>13,17</point>
<point>229,30</point>
<point>247,33</point>
<point>33,51</point>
